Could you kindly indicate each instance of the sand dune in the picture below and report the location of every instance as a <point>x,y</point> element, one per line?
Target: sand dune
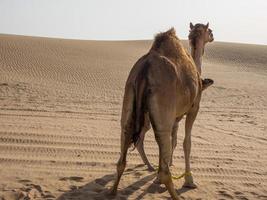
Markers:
<point>60,104</point>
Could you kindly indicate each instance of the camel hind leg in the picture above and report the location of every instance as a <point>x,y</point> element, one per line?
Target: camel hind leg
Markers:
<point>126,134</point>
<point>140,144</point>
<point>162,116</point>
<point>125,143</point>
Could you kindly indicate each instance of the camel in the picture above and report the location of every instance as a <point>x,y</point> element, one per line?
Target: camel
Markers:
<point>140,145</point>
<point>163,86</point>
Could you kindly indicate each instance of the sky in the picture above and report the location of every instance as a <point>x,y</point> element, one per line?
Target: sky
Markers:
<point>242,21</point>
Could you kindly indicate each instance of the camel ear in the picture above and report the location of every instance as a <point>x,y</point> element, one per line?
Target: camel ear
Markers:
<point>207,25</point>
<point>191,25</point>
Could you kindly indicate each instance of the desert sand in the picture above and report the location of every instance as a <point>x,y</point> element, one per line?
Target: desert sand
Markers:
<point>60,106</point>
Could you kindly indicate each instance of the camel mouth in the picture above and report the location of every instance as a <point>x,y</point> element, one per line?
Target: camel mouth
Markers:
<point>211,37</point>
<point>208,81</point>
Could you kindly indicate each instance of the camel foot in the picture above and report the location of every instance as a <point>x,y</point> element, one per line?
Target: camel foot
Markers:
<point>189,183</point>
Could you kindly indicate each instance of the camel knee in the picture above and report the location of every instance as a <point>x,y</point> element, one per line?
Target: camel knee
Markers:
<point>122,159</point>
<point>121,164</point>
<point>121,167</point>
<point>164,176</point>
<point>163,139</point>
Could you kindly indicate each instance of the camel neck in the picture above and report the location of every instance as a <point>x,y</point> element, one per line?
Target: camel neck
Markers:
<point>197,52</point>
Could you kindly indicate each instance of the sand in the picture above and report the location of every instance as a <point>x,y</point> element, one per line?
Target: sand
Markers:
<point>60,106</point>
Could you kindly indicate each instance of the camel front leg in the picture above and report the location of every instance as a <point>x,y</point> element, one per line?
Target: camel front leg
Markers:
<point>190,118</point>
<point>174,137</point>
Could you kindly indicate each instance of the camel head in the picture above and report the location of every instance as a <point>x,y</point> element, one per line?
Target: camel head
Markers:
<point>200,33</point>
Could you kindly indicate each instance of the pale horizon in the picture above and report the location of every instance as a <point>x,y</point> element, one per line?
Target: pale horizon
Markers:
<point>127,20</point>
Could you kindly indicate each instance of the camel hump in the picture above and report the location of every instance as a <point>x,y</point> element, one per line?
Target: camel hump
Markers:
<point>162,37</point>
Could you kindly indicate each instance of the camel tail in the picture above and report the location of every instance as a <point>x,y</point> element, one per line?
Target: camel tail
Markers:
<point>140,103</point>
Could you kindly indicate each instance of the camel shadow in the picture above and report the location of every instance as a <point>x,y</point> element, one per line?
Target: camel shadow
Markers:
<point>98,189</point>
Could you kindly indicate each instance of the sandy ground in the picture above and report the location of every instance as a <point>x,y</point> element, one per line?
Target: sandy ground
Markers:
<point>60,105</point>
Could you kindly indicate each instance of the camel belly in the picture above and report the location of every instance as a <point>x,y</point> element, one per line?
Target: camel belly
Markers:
<point>185,101</point>
<point>182,108</point>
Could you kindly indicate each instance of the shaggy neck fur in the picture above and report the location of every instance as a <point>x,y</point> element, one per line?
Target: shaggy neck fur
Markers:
<point>197,51</point>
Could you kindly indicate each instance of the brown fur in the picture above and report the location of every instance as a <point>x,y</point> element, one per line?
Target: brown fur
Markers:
<point>166,85</point>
